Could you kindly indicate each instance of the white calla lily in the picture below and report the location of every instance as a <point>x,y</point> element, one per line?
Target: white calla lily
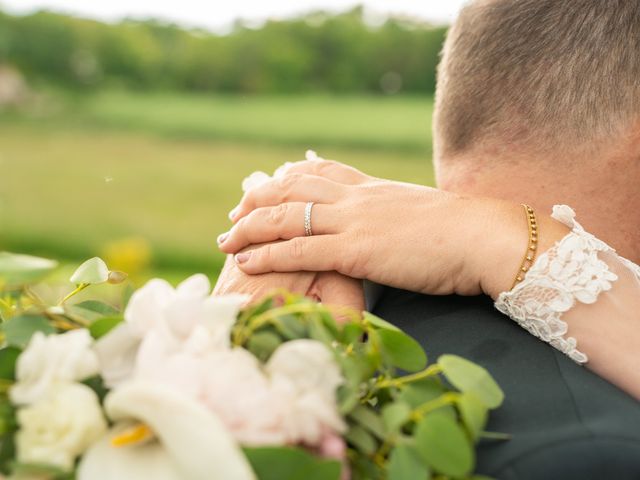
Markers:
<point>190,442</point>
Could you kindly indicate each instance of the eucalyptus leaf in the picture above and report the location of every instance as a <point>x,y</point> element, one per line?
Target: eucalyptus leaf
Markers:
<point>362,440</point>
<point>466,376</point>
<point>19,330</point>
<point>401,351</point>
<point>351,332</point>
<point>319,331</point>
<point>444,446</point>
<point>348,398</point>
<point>379,323</point>
<point>423,391</point>
<point>370,420</point>
<point>104,325</point>
<point>395,415</point>
<point>263,344</point>
<point>290,463</point>
<point>405,464</point>
<point>91,272</point>
<point>98,307</point>
<point>17,269</point>
<point>473,412</point>
<point>291,327</point>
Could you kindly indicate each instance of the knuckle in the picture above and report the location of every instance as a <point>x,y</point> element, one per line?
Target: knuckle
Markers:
<point>264,256</point>
<point>287,182</point>
<point>296,248</point>
<point>355,259</point>
<point>277,214</point>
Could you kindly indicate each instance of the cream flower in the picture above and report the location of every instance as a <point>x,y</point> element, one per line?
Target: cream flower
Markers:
<point>51,360</point>
<point>60,426</point>
<point>305,377</point>
<point>187,441</point>
<point>174,318</point>
<point>237,389</point>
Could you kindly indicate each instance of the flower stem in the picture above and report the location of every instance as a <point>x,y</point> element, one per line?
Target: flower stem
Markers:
<point>398,382</point>
<point>78,289</point>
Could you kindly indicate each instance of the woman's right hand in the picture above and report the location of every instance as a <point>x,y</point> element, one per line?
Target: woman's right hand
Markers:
<point>397,234</point>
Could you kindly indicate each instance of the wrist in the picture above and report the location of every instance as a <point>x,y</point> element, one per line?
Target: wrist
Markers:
<point>505,247</point>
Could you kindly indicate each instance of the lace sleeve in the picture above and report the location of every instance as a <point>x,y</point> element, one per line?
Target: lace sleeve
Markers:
<point>578,291</point>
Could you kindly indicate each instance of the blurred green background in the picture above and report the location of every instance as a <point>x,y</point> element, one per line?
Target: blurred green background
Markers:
<point>130,140</point>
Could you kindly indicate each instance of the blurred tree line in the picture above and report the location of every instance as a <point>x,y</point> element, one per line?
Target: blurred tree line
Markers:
<point>316,52</point>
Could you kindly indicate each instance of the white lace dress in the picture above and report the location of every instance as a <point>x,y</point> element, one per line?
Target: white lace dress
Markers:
<point>576,291</point>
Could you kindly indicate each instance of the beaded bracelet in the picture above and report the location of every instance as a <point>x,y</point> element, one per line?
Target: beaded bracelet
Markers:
<point>532,246</point>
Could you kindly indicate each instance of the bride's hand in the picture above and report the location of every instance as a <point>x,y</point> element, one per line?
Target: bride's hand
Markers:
<point>398,234</point>
<point>330,288</point>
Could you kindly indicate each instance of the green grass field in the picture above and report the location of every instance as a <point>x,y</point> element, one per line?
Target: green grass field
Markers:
<point>156,174</point>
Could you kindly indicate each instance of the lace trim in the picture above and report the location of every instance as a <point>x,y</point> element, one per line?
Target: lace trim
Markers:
<point>570,271</point>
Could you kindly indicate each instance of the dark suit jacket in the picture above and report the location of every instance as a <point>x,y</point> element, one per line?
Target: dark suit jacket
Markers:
<point>566,422</point>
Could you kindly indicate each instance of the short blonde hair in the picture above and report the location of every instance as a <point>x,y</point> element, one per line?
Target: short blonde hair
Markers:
<point>545,72</point>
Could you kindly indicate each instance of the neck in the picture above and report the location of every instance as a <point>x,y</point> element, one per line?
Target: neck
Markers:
<point>605,194</point>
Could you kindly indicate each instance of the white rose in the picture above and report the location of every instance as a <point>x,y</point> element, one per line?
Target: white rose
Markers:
<point>186,317</point>
<point>53,359</point>
<point>238,391</point>
<point>60,426</point>
<point>305,377</point>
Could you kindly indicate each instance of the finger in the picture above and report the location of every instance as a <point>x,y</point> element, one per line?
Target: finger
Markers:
<point>311,254</point>
<point>282,222</point>
<point>334,289</point>
<point>289,188</point>
<point>329,169</point>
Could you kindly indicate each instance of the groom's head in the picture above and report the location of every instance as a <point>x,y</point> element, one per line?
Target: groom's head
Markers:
<point>538,76</point>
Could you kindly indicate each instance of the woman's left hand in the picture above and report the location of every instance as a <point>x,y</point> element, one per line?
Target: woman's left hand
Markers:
<point>402,235</point>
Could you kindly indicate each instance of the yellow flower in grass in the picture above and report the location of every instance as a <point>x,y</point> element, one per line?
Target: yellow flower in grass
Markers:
<point>131,255</point>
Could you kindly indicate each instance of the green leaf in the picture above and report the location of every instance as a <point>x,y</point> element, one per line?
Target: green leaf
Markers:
<point>417,393</point>
<point>8,358</point>
<point>402,351</point>
<point>320,332</point>
<point>104,325</point>
<point>348,398</point>
<point>289,463</point>
<point>379,323</point>
<point>98,307</point>
<point>351,332</point>
<point>395,415</point>
<point>91,272</point>
<point>263,344</point>
<point>18,330</point>
<point>16,269</point>
<point>370,420</point>
<point>466,376</point>
<point>473,412</point>
<point>405,464</point>
<point>362,440</point>
<point>8,421</point>
<point>356,368</point>
<point>443,445</point>
<point>291,327</point>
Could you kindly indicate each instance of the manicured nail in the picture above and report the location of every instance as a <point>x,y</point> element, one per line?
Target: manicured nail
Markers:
<point>243,257</point>
<point>233,213</point>
<point>222,237</point>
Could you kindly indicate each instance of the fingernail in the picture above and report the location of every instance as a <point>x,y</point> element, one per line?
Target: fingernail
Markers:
<point>243,257</point>
<point>222,237</point>
<point>233,213</point>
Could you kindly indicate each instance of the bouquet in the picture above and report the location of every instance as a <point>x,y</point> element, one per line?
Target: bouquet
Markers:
<point>177,384</point>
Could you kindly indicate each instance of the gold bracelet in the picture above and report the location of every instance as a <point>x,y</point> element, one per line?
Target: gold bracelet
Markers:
<point>532,246</point>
